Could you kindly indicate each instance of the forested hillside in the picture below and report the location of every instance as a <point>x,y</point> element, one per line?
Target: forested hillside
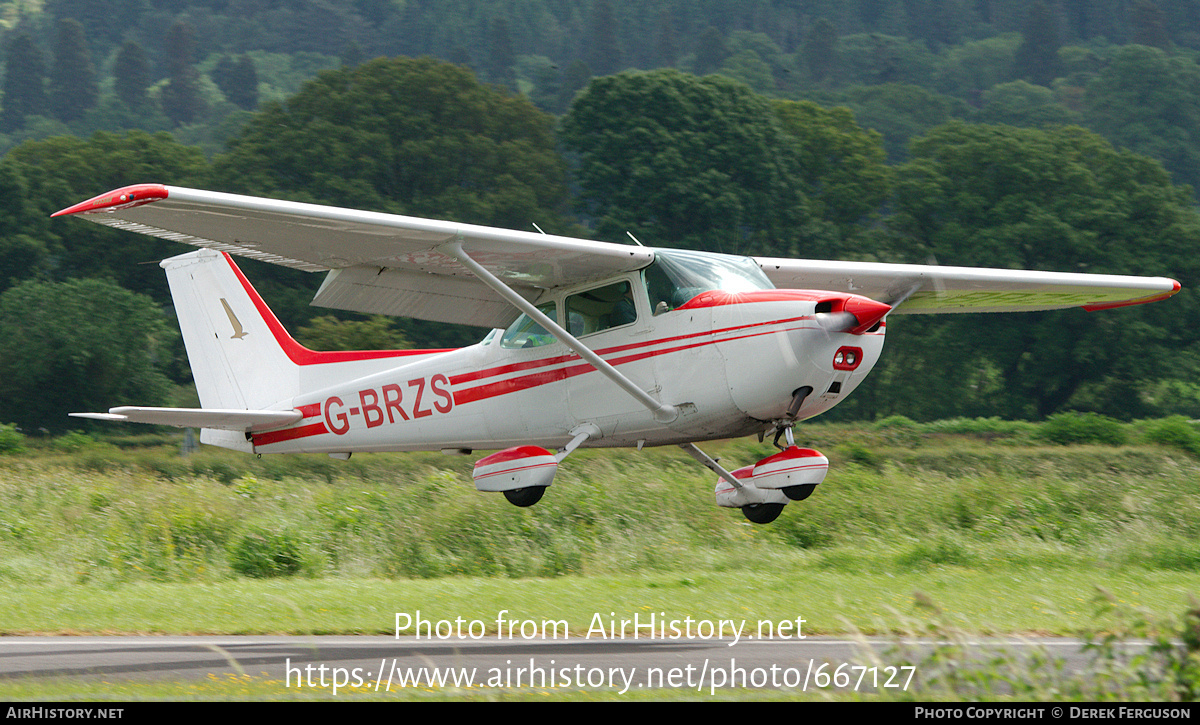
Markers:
<point>1048,134</point>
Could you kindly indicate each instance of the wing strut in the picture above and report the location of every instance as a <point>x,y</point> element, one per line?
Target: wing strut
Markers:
<point>710,463</point>
<point>663,413</point>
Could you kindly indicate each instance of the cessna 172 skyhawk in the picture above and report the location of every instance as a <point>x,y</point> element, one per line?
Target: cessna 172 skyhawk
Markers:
<point>595,344</point>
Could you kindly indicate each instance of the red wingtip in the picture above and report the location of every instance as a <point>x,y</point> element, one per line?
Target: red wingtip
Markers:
<point>123,198</point>
<point>1129,303</point>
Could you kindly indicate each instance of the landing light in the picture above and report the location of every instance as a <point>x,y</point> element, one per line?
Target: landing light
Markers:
<point>847,358</point>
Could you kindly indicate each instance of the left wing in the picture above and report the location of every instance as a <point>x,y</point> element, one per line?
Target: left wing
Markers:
<point>378,263</point>
<point>920,289</point>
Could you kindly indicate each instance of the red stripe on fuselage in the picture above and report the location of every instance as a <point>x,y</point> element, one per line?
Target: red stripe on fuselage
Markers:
<point>525,382</point>
<point>289,434</point>
<point>510,368</point>
<point>558,359</point>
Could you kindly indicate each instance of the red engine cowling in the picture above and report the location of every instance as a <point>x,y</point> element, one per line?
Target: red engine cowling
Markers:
<point>513,468</point>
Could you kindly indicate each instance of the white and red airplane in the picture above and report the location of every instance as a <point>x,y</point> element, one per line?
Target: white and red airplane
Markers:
<point>594,344</point>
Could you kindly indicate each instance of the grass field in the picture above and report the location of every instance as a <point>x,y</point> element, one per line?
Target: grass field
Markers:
<point>965,526</point>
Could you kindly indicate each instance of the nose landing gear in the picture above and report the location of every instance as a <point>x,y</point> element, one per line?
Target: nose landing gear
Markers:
<point>762,490</point>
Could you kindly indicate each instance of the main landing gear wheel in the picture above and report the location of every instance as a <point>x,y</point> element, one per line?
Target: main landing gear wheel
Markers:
<point>527,496</point>
<point>799,493</point>
<point>762,513</point>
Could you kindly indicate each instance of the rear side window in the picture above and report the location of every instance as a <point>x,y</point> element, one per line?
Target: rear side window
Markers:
<point>600,309</point>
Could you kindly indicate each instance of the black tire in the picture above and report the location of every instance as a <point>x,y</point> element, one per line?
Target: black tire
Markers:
<point>762,513</point>
<point>527,496</point>
<point>801,492</point>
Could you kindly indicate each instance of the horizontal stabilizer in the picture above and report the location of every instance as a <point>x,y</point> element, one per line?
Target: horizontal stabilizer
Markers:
<point>238,420</point>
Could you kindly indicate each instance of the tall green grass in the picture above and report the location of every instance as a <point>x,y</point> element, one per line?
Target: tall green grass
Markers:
<point>900,496</point>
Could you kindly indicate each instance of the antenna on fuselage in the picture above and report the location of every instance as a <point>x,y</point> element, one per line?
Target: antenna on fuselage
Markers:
<point>635,239</point>
<point>535,226</point>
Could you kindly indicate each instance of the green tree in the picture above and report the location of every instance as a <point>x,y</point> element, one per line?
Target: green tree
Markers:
<point>415,136</point>
<point>1027,198</point>
<point>238,80</point>
<point>875,58</point>
<point>939,22</point>
<point>131,75</point>
<point>842,166</point>
<point>969,69</point>
<point>574,79</point>
<point>1149,25</point>
<point>900,112</point>
<point>1149,101</point>
<point>106,23</point>
<point>73,84</point>
<point>181,99</point>
<point>711,52</point>
<point>821,51</point>
<point>24,83</point>
<point>501,58</point>
<point>78,346</point>
<point>327,332</point>
<point>666,43</point>
<point>757,61</point>
<point>26,249</point>
<point>705,163</point>
<point>1023,104</point>
<point>600,44</point>
<point>1057,199</point>
<point>685,161</point>
<point>1037,58</point>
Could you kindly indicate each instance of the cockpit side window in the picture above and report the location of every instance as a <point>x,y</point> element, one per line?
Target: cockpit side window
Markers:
<point>526,332</point>
<point>602,308</point>
<point>664,295</point>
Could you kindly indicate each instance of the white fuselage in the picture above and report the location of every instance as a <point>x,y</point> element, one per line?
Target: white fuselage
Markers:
<point>730,363</point>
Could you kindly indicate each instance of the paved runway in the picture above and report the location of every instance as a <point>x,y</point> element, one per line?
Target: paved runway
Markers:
<point>381,663</point>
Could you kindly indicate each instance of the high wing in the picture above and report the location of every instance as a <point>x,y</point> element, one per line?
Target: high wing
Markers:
<point>921,289</point>
<point>378,263</point>
<point>405,266</point>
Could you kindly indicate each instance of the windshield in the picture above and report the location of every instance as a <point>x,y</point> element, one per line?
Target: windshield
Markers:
<point>677,276</point>
<point>526,332</point>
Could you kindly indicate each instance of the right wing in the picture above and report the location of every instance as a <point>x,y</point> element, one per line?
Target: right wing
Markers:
<point>920,289</point>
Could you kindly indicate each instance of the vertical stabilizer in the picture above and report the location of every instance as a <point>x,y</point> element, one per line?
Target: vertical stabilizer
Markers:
<point>234,343</point>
